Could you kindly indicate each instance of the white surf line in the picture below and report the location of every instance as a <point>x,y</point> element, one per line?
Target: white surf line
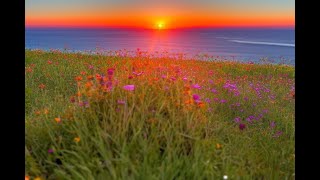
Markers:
<point>264,43</point>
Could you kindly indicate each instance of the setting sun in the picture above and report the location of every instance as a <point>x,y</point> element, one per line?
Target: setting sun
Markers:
<point>160,25</point>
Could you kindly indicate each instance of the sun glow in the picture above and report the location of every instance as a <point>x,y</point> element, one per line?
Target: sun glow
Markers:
<point>160,25</point>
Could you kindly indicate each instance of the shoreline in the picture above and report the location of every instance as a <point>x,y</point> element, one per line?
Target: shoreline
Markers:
<point>174,56</point>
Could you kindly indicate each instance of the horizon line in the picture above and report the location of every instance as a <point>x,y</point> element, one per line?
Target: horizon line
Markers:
<point>177,28</point>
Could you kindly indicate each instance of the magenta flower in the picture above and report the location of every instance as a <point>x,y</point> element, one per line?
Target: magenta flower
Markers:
<point>128,87</point>
<point>185,79</point>
<point>173,78</point>
<point>196,97</point>
<point>196,86</point>
<point>242,126</point>
<point>110,71</point>
<point>50,151</point>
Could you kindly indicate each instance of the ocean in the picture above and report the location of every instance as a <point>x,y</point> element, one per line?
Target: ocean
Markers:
<point>275,45</point>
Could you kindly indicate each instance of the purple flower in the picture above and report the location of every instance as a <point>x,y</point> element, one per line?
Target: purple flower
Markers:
<point>216,99</point>
<point>250,118</point>
<point>242,126</point>
<point>237,120</point>
<point>277,134</point>
<point>246,98</point>
<point>223,101</point>
<point>259,117</point>
<point>84,104</point>
<point>50,151</point>
<point>272,97</point>
<point>129,87</point>
<point>196,86</point>
<point>214,91</point>
<point>196,97</point>
<point>272,124</point>
<point>208,100</point>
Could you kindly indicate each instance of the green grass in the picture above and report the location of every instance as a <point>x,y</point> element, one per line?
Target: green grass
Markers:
<point>161,132</point>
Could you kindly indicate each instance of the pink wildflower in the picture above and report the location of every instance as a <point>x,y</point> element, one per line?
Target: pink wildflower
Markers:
<point>129,87</point>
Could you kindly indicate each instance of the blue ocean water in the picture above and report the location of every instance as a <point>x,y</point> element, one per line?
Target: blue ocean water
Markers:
<point>277,45</point>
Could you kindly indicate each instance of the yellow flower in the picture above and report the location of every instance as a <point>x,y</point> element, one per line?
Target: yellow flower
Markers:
<point>218,146</point>
<point>76,139</point>
<point>37,178</point>
<point>57,120</point>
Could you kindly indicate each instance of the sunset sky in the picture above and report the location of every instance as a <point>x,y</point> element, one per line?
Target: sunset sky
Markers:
<point>164,14</point>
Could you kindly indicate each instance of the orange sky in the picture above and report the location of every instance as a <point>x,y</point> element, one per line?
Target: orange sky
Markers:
<point>174,16</point>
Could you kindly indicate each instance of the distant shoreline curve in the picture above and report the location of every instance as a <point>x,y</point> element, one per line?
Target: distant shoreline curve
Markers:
<point>264,43</point>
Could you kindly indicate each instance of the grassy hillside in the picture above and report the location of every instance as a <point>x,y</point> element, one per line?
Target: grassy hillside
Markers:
<point>97,117</point>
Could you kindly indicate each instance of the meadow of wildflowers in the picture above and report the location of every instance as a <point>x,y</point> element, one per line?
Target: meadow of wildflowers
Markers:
<point>117,117</point>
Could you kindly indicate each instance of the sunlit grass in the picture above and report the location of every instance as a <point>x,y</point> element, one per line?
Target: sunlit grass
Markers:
<point>112,117</point>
